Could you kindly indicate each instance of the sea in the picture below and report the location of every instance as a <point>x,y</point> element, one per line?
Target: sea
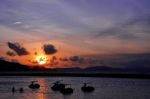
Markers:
<point>105,88</point>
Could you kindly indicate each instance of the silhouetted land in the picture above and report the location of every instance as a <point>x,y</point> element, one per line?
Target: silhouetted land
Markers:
<point>15,69</point>
<point>107,75</point>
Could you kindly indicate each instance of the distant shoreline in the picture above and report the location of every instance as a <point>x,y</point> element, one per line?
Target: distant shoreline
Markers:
<point>105,75</point>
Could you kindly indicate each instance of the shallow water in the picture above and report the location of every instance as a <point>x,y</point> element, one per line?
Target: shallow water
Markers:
<point>105,88</point>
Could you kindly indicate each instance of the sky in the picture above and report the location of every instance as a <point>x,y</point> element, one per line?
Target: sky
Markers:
<point>71,29</point>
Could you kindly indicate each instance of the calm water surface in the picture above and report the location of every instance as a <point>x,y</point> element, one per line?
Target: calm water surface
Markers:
<point>105,88</point>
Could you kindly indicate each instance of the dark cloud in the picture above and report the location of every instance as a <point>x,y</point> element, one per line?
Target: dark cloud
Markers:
<point>49,49</point>
<point>76,59</point>
<point>64,59</point>
<point>29,60</point>
<point>35,53</point>
<point>10,53</point>
<point>54,61</point>
<point>34,62</point>
<point>18,48</point>
<point>54,58</point>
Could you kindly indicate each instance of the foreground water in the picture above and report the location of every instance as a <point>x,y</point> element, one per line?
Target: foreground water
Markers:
<point>105,88</point>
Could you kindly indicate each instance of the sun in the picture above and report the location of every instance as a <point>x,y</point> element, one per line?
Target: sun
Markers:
<point>41,59</point>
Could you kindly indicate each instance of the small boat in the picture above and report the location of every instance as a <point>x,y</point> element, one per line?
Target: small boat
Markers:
<point>34,85</point>
<point>66,91</point>
<point>21,90</point>
<point>87,88</point>
<point>13,89</point>
<point>58,86</point>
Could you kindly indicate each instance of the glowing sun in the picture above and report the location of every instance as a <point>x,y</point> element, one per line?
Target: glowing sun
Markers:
<point>42,59</point>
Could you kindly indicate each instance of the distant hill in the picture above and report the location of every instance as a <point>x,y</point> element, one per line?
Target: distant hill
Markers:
<point>6,66</point>
<point>102,69</point>
<point>16,67</point>
<point>9,66</point>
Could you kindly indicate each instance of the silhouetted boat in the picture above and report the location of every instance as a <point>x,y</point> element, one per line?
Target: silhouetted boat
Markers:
<point>58,86</point>
<point>21,90</point>
<point>67,91</point>
<point>87,88</point>
<point>34,85</point>
<point>13,89</point>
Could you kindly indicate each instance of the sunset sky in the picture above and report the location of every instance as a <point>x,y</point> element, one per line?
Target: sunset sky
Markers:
<point>62,32</point>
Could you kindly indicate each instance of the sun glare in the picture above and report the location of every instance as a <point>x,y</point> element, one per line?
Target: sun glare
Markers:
<point>41,60</point>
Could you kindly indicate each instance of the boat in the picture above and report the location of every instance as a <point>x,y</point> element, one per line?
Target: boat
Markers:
<point>66,91</point>
<point>21,90</point>
<point>58,86</point>
<point>87,88</point>
<point>34,85</point>
<point>13,89</point>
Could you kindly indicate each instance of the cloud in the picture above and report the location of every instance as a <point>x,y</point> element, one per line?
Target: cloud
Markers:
<point>54,58</point>
<point>35,53</point>
<point>64,59</point>
<point>18,48</point>
<point>73,59</point>
<point>76,59</point>
<point>10,53</point>
<point>17,23</point>
<point>133,29</point>
<point>14,61</point>
<point>34,62</point>
<point>49,49</point>
<point>53,61</point>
